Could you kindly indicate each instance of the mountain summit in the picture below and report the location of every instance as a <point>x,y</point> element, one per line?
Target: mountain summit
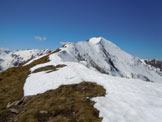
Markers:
<point>106,57</point>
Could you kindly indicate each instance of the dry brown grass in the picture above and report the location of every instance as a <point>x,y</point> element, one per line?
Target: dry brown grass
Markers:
<point>68,103</point>
<point>57,50</point>
<point>49,68</point>
<point>12,82</point>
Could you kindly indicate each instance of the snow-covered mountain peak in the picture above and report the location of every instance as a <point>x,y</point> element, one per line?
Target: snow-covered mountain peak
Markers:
<point>106,57</point>
<point>102,41</point>
<point>9,58</point>
<point>95,40</point>
<point>87,61</point>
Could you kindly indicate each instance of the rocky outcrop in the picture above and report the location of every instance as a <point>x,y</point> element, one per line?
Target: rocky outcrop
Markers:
<point>155,63</point>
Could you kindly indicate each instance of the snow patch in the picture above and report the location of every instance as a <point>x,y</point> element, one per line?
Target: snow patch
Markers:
<point>126,100</point>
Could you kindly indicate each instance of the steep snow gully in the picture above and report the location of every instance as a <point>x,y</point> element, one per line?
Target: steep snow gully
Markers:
<point>134,89</point>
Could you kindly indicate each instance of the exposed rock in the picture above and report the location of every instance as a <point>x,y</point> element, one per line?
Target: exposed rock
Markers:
<point>13,110</point>
<point>15,103</point>
<point>155,63</point>
<point>43,112</point>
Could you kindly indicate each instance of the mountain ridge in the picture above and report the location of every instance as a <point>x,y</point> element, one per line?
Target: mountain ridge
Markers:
<point>12,58</point>
<point>107,58</point>
<point>69,73</point>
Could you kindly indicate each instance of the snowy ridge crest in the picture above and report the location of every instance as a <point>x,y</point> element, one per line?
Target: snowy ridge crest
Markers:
<point>106,57</point>
<point>127,99</point>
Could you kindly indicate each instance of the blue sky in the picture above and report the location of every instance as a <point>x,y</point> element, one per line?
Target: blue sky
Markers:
<point>134,25</point>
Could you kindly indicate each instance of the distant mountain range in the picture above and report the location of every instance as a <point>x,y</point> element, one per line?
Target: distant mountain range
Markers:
<point>155,63</point>
<point>10,58</point>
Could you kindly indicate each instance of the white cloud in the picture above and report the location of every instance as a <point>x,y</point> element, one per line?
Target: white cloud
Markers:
<point>40,38</point>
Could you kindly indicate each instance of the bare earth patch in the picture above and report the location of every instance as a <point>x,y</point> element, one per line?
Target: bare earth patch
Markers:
<point>49,68</point>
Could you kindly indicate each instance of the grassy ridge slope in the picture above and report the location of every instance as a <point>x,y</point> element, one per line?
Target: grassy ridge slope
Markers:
<point>68,103</point>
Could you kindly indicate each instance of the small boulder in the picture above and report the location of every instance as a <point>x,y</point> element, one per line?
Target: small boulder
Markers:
<point>13,110</point>
<point>43,112</point>
<point>15,103</point>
